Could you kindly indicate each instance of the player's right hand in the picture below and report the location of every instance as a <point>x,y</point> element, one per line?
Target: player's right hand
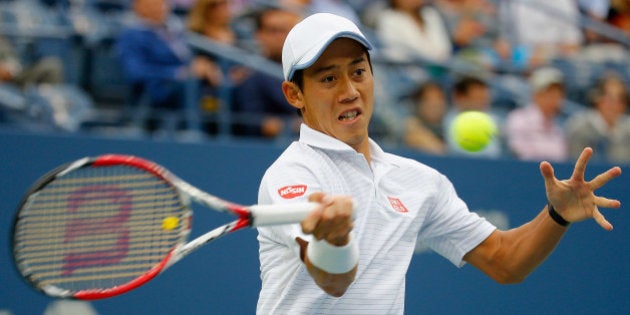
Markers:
<point>332,221</point>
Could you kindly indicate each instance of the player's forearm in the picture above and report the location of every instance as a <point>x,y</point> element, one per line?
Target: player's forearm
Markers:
<point>510,256</point>
<point>526,247</point>
<point>332,267</point>
<point>333,284</point>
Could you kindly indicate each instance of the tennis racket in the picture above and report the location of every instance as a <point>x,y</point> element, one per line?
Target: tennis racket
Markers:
<point>100,227</point>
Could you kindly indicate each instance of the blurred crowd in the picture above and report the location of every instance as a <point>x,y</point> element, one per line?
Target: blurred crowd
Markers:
<point>554,75</point>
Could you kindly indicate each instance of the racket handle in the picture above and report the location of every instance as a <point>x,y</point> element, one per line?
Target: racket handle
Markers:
<point>263,215</point>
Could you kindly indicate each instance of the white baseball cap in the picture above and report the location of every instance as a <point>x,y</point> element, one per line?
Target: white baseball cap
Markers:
<point>543,78</point>
<point>309,38</point>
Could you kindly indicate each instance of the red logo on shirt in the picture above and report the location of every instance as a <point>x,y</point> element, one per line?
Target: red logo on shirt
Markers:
<point>397,205</point>
<point>290,192</point>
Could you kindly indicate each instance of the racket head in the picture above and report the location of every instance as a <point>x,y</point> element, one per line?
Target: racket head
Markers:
<point>99,227</point>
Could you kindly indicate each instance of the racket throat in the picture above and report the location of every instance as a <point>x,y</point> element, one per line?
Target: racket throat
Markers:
<point>245,217</point>
<point>243,222</point>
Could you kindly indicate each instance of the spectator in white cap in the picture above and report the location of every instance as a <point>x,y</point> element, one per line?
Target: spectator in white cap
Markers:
<point>351,254</point>
<point>533,132</point>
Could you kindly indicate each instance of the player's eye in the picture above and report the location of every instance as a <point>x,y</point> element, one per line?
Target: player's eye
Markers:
<point>328,78</point>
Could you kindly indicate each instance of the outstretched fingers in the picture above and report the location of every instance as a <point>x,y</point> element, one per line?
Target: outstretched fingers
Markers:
<point>575,198</point>
<point>606,202</point>
<point>603,178</point>
<point>580,164</point>
<point>601,220</point>
<point>547,173</point>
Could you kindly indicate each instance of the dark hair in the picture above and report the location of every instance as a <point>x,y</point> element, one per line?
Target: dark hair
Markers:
<point>599,89</point>
<point>424,87</point>
<point>260,14</point>
<point>258,17</point>
<point>418,93</point>
<point>463,84</point>
<point>298,79</point>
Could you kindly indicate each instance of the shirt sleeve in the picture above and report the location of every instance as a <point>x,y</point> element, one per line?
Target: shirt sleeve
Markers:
<point>451,229</point>
<point>285,183</point>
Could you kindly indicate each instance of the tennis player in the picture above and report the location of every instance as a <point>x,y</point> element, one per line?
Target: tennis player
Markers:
<point>352,253</point>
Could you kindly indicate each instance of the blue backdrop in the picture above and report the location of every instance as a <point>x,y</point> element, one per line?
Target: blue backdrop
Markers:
<point>588,273</point>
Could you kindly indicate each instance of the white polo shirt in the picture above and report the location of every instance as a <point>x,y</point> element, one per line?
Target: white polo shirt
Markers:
<point>398,201</point>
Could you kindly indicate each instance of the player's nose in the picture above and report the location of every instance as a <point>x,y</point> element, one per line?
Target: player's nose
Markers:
<point>348,91</point>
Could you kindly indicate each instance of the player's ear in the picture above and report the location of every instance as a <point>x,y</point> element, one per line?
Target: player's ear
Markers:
<point>293,94</point>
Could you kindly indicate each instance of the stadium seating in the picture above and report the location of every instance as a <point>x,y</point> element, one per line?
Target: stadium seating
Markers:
<point>82,34</point>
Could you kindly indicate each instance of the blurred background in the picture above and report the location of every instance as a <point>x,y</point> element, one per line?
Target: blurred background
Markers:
<point>211,69</point>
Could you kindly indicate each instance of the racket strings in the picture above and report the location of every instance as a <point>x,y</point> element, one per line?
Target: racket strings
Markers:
<point>46,276</point>
<point>148,198</point>
<point>40,253</point>
<point>97,228</point>
<point>40,230</point>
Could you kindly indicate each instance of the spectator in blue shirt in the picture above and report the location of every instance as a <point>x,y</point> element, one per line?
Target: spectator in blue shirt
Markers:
<point>155,56</point>
<point>258,100</point>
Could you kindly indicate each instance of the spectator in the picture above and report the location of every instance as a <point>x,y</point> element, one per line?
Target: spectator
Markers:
<point>605,46</point>
<point>533,131</point>
<point>156,58</point>
<point>471,93</point>
<point>474,29</point>
<point>541,30</point>
<point>260,96</point>
<point>596,10</point>
<point>605,127</point>
<point>181,7</point>
<point>409,29</point>
<point>619,15</point>
<point>424,129</point>
<point>308,7</point>
<point>213,19</point>
<point>12,70</point>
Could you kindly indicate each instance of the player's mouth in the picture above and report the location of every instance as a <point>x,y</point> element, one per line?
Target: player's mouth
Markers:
<point>349,115</point>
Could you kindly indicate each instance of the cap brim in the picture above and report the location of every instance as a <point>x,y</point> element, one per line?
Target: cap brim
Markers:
<point>318,49</point>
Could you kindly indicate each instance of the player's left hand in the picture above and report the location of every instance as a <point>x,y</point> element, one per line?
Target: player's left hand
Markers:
<point>574,198</point>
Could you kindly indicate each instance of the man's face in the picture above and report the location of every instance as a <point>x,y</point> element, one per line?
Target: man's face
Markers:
<point>612,104</point>
<point>217,12</point>
<point>550,100</point>
<point>432,105</point>
<point>338,93</point>
<point>274,28</point>
<point>155,11</point>
<point>478,97</point>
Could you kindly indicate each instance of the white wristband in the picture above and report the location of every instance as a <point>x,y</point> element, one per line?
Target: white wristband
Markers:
<point>333,259</point>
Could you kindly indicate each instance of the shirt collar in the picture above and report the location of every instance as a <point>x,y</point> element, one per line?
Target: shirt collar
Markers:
<point>323,141</point>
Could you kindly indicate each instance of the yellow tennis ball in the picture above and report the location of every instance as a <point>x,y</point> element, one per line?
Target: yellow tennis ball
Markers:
<point>473,130</point>
<point>170,223</point>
